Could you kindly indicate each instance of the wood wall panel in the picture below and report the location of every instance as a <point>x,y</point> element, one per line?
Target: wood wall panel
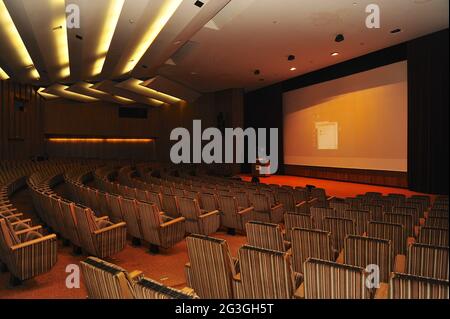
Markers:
<point>374,177</point>
<point>21,132</point>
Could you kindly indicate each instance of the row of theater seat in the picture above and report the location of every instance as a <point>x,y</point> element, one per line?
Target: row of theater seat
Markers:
<point>25,250</point>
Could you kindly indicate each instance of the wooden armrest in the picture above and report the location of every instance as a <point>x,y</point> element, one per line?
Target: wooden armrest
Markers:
<point>246,210</point>
<point>400,264</point>
<point>188,264</point>
<point>33,242</point>
<point>340,259</point>
<point>214,212</point>
<point>382,292</point>
<point>173,221</point>
<point>106,218</point>
<point>237,277</point>
<point>300,292</point>
<point>421,221</point>
<point>24,231</point>
<point>103,230</point>
<point>410,241</point>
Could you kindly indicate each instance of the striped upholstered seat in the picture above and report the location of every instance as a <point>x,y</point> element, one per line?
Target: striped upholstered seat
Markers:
<point>265,235</point>
<point>376,211</point>
<point>363,251</point>
<point>115,202</point>
<point>340,207</point>
<point>406,220</point>
<point>96,240</point>
<point>360,217</point>
<point>170,205</point>
<point>145,288</point>
<point>104,280</point>
<point>427,261</point>
<point>296,220</point>
<point>339,229</point>
<point>287,199</point>
<point>232,216</point>
<point>329,280</point>
<point>264,211</point>
<point>69,219</point>
<point>433,236</point>
<point>393,232</point>
<point>154,198</point>
<point>208,201</point>
<point>308,243</point>
<point>318,214</point>
<point>211,268</point>
<point>198,221</point>
<point>130,215</point>
<point>157,231</point>
<point>437,222</point>
<point>403,286</point>
<point>265,274</point>
<point>26,259</point>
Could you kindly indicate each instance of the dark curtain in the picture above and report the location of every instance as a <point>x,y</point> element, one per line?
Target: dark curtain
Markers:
<point>263,108</point>
<point>428,113</point>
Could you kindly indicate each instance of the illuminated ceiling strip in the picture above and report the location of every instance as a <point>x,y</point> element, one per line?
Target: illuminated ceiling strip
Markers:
<point>118,97</point>
<point>61,90</point>
<point>112,18</point>
<point>164,14</point>
<point>47,96</point>
<point>60,37</point>
<point>99,140</point>
<point>13,37</point>
<point>3,75</point>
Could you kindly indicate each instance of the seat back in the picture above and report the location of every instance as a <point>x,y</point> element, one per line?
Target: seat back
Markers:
<point>363,251</point>
<point>339,229</point>
<point>433,236</point>
<point>209,201</point>
<point>150,219</point>
<point>115,201</point>
<point>260,202</point>
<point>265,235</point>
<point>393,232</point>
<point>154,198</point>
<point>406,220</point>
<point>70,223</point>
<point>130,216</point>
<point>376,211</point>
<point>104,280</point>
<point>318,215</point>
<point>296,220</point>
<point>147,288</point>
<point>242,198</point>
<point>170,205</point>
<point>437,222</point>
<point>211,267</point>
<point>427,261</point>
<point>329,280</point>
<point>86,225</point>
<point>259,267</point>
<point>287,199</point>
<point>340,207</point>
<point>189,208</point>
<point>361,219</point>
<point>403,286</point>
<point>308,243</point>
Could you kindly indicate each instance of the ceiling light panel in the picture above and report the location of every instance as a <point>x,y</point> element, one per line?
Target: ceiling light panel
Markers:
<point>48,21</point>
<point>47,96</point>
<point>154,17</point>
<point>135,85</point>
<point>12,46</point>
<point>61,91</point>
<point>87,89</point>
<point>3,75</point>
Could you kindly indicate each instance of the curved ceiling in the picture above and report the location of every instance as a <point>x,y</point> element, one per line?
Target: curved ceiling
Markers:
<point>159,52</point>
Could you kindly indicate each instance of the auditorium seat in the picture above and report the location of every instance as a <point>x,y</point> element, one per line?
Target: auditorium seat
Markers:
<point>145,288</point>
<point>266,235</point>
<point>105,280</point>
<point>393,232</point>
<point>115,202</point>
<point>287,199</point>
<point>403,286</point>
<point>232,216</point>
<point>131,218</point>
<point>70,224</point>
<point>265,274</point>
<point>360,217</point>
<point>318,215</point>
<point>211,268</point>
<point>306,243</point>
<point>169,205</point>
<point>29,258</point>
<point>339,229</point>
<point>97,237</point>
<point>208,201</point>
<point>406,220</point>
<point>320,281</point>
<point>159,231</point>
<point>433,236</point>
<point>198,221</point>
<point>292,220</point>
<point>264,211</point>
<point>363,251</point>
<point>425,261</point>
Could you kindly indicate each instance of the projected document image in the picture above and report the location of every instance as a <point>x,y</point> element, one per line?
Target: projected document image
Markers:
<point>327,135</point>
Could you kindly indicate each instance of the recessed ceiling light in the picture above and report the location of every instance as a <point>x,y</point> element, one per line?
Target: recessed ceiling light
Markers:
<point>334,54</point>
<point>293,69</point>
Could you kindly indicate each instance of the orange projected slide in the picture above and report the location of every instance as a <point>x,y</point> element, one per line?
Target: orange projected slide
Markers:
<point>358,121</point>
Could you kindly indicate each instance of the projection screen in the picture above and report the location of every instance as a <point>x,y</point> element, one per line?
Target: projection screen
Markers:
<point>358,121</point>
